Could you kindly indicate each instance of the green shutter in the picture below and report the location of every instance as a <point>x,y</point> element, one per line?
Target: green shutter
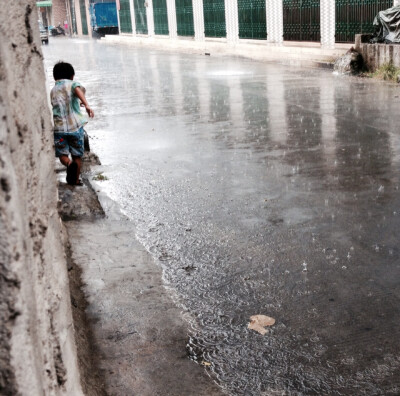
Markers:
<point>160,17</point>
<point>140,17</point>
<point>252,19</point>
<point>214,18</point>
<point>184,17</point>
<point>125,17</point>
<point>301,20</point>
<point>83,17</point>
<point>356,16</point>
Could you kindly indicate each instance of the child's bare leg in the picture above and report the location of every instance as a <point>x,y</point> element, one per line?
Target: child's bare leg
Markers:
<point>78,161</point>
<point>64,159</point>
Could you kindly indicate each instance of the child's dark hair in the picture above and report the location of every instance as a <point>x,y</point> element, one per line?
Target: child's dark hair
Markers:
<point>63,71</point>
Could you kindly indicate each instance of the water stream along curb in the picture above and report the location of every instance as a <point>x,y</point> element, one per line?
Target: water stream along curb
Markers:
<point>131,336</point>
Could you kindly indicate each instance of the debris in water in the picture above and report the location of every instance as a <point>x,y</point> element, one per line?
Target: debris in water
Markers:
<point>100,177</point>
<point>258,322</point>
<point>189,269</point>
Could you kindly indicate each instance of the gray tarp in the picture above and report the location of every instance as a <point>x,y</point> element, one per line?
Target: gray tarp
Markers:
<point>387,26</point>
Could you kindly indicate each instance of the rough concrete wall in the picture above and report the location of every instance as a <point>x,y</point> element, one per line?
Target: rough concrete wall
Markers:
<point>37,350</point>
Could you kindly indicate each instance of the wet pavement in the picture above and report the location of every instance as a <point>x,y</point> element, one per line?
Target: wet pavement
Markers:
<point>259,189</point>
<point>138,335</point>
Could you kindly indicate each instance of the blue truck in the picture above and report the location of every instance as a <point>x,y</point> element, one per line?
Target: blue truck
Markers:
<point>103,18</point>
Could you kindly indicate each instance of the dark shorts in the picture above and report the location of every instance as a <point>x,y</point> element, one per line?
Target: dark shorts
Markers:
<point>69,143</point>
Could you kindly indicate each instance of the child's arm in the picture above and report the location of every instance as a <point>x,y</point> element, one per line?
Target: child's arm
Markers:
<point>79,93</point>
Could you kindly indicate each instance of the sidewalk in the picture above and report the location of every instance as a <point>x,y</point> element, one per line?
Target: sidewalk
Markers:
<point>131,336</point>
<point>307,54</point>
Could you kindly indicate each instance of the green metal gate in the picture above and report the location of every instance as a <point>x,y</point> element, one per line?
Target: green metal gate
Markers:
<point>214,18</point>
<point>184,17</point>
<point>301,20</point>
<point>140,17</point>
<point>125,16</point>
<point>356,16</point>
<point>252,19</point>
<point>160,13</point>
<point>83,17</point>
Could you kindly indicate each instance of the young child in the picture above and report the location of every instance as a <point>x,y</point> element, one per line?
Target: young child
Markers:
<point>66,98</point>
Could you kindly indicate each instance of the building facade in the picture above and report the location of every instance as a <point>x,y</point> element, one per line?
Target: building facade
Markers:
<point>320,21</point>
<point>275,21</point>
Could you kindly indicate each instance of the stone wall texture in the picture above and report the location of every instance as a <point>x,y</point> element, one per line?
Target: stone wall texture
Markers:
<point>376,55</point>
<point>37,349</point>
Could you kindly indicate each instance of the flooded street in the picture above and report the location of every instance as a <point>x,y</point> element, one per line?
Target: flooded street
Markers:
<point>259,189</point>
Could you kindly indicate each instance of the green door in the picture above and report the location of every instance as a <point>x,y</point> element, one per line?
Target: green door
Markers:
<point>356,16</point>
<point>301,20</point>
<point>252,19</point>
<point>125,17</point>
<point>140,17</point>
<point>82,7</point>
<point>160,13</point>
<point>184,17</point>
<point>214,18</point>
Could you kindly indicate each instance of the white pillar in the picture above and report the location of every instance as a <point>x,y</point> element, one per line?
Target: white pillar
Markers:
<point>133,22</point>
<point>78,17</point>
<point>274,10</point>
<point>327,24</point>
<point>150,17</point>
<point>119,22</point>
<point>198,18</point>
<point>396,3</point>
<point>172,26</point>
<point>89,26</point>
<point>232,21</point>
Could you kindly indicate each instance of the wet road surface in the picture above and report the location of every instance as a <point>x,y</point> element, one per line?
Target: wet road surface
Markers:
<point>259,189</point>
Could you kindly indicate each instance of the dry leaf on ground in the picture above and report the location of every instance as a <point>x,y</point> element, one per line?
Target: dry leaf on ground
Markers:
<point>258,323</point>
